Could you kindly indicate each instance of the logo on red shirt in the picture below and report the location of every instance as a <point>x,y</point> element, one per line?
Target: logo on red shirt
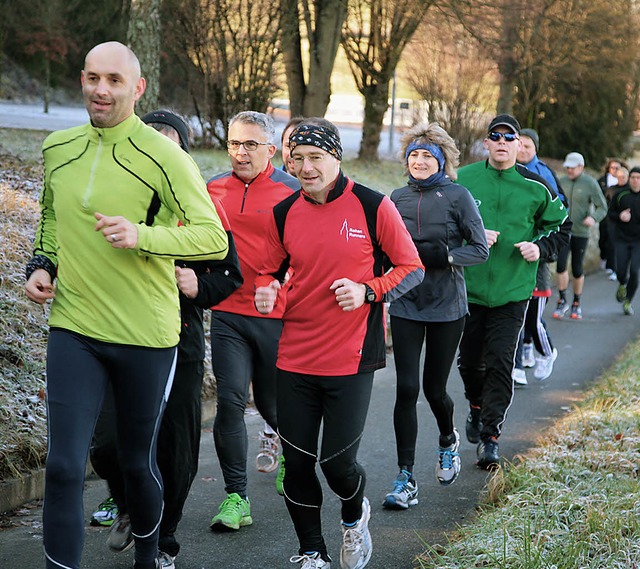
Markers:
<point>350,232</point>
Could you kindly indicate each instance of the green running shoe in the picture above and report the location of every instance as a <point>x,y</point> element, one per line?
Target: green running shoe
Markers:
<point>280,476</point>
<point>233,513</point>
<point>105,514</point>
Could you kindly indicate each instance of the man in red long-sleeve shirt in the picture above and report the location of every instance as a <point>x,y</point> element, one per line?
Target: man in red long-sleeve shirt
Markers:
<point>336,234</point>
<point>244,343</point>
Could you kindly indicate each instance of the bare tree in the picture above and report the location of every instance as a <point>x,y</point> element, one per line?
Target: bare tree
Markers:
<point>143,37</point>
<point>456,82</point>
<point>511,32</point>
<point>317,23</point>
<point>228,49</point>
<point>373,38</point>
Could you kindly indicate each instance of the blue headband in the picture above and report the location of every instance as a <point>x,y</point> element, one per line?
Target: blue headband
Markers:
<point>435,150</point>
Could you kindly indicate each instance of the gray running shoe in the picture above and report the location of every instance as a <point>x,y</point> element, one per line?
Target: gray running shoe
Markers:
<point>310,561</point>
<point>120,538</point>
<point>448,466</point>
<point>404,493</point>
<point>545,366</point>
<point>561,309</point>
<point>166,561</point>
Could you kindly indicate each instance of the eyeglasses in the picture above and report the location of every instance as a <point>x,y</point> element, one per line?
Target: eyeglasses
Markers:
<point>508,136</point>
<point>249,145</point>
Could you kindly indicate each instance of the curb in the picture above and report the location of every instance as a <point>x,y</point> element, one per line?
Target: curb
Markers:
<point>18,491</point>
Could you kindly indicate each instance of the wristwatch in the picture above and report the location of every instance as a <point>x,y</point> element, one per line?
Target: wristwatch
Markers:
<point>369,294</point>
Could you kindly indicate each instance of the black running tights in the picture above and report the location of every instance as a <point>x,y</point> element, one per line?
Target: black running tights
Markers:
<point>78,372</point>
<point>441,341</point>
<point>340,404</point>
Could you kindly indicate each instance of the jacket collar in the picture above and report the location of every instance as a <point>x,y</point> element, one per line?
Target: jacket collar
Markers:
<point>114,134</point>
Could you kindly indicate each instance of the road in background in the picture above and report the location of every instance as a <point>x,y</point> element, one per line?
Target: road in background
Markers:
<point>14,115</point>
<point>585,348</point>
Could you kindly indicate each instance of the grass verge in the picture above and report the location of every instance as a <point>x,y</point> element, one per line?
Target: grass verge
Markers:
<point>573,502</point>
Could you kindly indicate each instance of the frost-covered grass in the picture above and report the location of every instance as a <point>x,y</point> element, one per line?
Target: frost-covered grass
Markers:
<point>22,324</point>
<point>571,503</point>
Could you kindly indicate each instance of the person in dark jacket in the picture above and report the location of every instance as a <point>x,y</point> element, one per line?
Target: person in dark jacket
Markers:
<point>608,181</point>
<point>624,212</point>
<point>446,227</point>
<point>202,284</point>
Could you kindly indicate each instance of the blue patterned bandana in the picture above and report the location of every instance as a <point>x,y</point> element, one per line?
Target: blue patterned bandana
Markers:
<point>318,136</point>
<point>435,150</point>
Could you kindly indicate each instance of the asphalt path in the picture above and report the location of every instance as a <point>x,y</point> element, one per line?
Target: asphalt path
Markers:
<point>586,348</point>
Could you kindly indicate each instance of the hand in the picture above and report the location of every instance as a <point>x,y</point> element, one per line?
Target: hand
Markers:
<point>39,288</point>
<point>120,232</point>
<point>492,236</point>
<point>529,251</point>
<point>187,281</point>
<point>588,221</point>
<point>349,295</point>
<point>266,296</point>
<point>625,215</point>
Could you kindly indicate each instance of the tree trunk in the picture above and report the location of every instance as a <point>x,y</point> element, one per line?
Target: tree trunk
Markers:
<point>507,63</point>
<point>47,84</point>
<point>323,49</point>
<point>143,37</point>
<point>323,24</point>
<point>376,104</point>
<point>292,55</point>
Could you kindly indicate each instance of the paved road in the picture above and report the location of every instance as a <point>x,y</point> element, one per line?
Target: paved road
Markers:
<point>13,115</point>
<point>586,349</point>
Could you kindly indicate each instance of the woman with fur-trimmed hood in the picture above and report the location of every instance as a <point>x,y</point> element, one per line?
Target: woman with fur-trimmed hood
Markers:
<point>446,227</point>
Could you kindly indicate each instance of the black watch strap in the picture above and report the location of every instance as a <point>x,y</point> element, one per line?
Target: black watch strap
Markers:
<point>369,294</point>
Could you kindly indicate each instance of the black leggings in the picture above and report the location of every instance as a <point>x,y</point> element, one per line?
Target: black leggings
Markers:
<point>78,372</point>
<point>340,404</point>
<point>441,341</point>
<point>628,265</point>
<point>243,352</point>
<point>577,247</point>
<point>178,449</point>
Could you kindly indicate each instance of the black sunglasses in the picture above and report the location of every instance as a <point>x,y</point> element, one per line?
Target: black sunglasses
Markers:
<point>508,136</point>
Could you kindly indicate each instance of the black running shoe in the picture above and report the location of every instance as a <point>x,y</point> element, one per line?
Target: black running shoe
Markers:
<point>474,425</point>
<point>488,457</point>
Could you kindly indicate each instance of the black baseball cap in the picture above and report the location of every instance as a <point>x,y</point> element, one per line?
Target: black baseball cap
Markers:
<point>505,120</point>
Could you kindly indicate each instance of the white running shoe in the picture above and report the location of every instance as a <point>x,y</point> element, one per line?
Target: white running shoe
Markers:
<point>356,548</point>
<point>544,366</point>
<point>404,493</point>
<point>519,376</point>
<point>448,466</point>
<point>267,458</point>
<point>166,561</point>
<point>310,561</point>
<point>528,357</point>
